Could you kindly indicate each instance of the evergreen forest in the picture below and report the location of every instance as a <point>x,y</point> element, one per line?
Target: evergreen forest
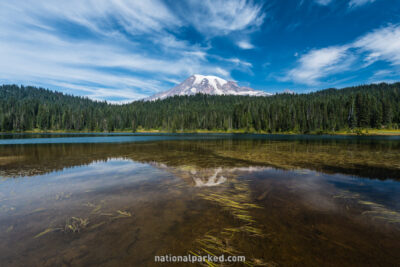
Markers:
<point>26,108</point>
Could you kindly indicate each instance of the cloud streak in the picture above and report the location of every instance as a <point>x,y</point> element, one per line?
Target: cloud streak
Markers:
<point>320,63</point>
<point>220,17</point>
<point>379,45</point>
<point>245,45</point>
<point>323,2</point>
<point>357,3</point>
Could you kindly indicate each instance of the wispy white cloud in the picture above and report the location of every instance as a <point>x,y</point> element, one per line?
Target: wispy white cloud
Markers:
<point>319,63</point>
<point>323,2</point>
<point>240,62</point>
<point>101,93</point>
<point>101,15</point>
<point>245,45</point>
<point>379,45</point>
<point>220,17</point>
<point>200,54</point>
<point>357,3</point>
<point>222,72</point>
<point>385,75</point>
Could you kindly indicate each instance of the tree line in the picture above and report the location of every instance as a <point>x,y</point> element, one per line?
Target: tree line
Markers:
<point>366,106</point>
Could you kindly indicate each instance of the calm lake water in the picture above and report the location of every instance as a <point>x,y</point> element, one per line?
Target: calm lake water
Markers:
<point>122,199</point>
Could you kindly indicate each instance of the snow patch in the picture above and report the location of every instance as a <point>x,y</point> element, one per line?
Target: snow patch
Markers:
<point>212,80</point>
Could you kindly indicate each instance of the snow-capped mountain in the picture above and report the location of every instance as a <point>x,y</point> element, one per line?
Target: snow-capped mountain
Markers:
<point>210,85</point>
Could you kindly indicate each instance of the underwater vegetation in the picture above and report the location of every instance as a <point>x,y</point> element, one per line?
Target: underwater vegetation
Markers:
<point>236,202</point>
<point>371,209</point>
<point>78,224</point>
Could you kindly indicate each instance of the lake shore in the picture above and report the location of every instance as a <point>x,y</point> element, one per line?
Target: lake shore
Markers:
<point>359,132</point>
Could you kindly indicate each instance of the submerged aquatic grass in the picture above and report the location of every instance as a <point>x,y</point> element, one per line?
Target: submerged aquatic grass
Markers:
<point>378,211</point>
<point>236,201</point>
<point>9,229</point>
<point>122,214</point>
<point>48,230</point>
<point>76,224</point>
<point>63,195</point>
<point>375,210</point>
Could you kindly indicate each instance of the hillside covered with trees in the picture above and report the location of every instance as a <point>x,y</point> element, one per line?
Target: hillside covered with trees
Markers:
<point>366,106</point>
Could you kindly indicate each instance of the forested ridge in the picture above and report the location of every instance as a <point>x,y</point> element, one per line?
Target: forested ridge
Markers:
<point>367,106</point>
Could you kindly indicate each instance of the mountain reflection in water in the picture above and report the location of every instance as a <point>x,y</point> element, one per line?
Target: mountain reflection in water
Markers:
<point>364,158</point>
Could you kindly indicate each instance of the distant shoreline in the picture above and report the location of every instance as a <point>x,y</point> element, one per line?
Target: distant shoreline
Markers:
<point>358,132</point>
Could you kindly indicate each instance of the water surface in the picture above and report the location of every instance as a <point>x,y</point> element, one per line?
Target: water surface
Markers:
<point>113,200</point>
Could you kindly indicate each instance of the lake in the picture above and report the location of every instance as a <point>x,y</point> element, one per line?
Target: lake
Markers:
<point>122,199</point>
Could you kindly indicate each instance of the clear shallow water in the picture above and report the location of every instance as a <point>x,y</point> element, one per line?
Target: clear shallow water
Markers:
<point>83,138</point>
<point>281,201</point>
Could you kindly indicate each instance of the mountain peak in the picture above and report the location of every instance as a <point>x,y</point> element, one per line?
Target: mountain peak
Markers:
<point>210,85</point>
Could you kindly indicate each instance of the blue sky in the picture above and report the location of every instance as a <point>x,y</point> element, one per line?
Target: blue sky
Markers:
<point>120,51</point>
